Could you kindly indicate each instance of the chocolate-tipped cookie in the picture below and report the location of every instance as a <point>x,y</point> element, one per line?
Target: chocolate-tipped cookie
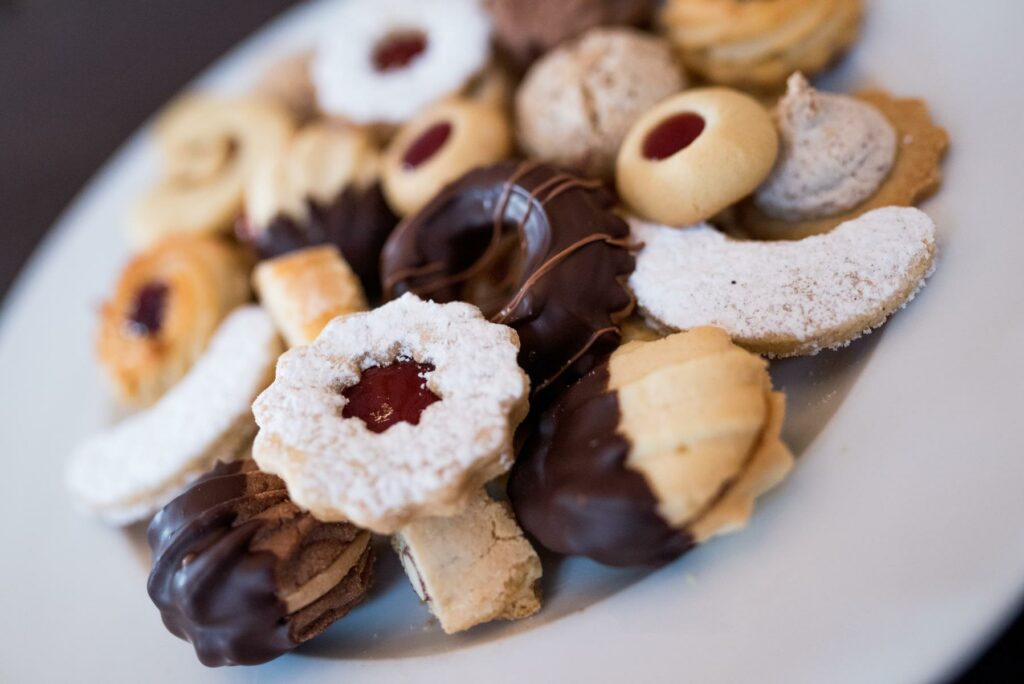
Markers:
<point>245,575</point>
<point>663,446</point>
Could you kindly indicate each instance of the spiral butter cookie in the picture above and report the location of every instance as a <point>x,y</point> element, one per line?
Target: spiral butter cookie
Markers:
<point>128,472</point>
<point>695,154</point>
<point>757,44</point>
<point>167,303</point>
<point>577,103</point>
<point>323,187</point>
<point>393,415</point>
<point>889,154</point>
<point>664,446</point>
<point>245,575</point>
<point>440,145</point>
<point>209,146</point>
<point>304,290</point>
<point>535,248</point>
<point>385,60</point>
<point>785,298</point>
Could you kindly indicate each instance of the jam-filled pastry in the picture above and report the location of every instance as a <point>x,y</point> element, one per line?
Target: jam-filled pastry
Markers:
<point>244,574</point>
<point>757,44</point>
<point>664,446</point>
<point>393,415</point>
<point>209,147</point>
<point>383,61</point>
<point>439,146</point>
<point>784,298</point>
<point>304,290</point>
<point>695,154</point>
<point>577,103</point>
<point>167,303</point>
<point>323,187</point>
<point>126,473</point>
<point>842,156</point>
<point>536,248</point>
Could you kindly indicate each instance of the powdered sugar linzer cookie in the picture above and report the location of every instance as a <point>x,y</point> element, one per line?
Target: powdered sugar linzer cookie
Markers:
<point>784,298</point>
<point>400,413</point>
<point>382,61</point>
<point>130,471</point>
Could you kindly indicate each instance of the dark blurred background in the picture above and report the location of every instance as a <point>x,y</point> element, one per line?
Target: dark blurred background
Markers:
<point>78,76</point>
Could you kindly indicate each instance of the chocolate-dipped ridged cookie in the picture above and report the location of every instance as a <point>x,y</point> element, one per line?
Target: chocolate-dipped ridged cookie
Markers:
<point>663,446</point>
<point>244,575</point>
<point>535,248</point>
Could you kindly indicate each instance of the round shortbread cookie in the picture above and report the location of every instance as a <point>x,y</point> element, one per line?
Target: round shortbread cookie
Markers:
<point>784,298</point>
<point>130,471</point>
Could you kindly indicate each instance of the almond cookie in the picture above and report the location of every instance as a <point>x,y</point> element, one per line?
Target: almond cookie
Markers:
<point>577,103</point>
<point>785,298</point>
<point>323,187</point>
<point>209,146</point>
<point>393,415</point>
<point>471,568</point>
<point>245,575</point>
<point>695,154</point>
<point>167,303</point>
<point>664,446</point>
<point>386,60</point>
<point>126,473</point>
<point>889,153</point>
<point>757,44</point>
<point>437,147</point>
<point>304,290</point>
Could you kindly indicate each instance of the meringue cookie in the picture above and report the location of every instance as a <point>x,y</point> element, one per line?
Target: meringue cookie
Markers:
<point>836,152</point>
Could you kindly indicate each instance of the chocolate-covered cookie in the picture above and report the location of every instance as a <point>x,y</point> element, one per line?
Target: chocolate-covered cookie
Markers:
<point>536,248</point>
<point>245,575</point>
<point>663,446</point>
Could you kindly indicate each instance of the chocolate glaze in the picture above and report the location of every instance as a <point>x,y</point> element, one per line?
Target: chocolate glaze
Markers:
<point>536,248</point>
<point>571,489</point>
<point>221,594</point>
<point>358,222</point>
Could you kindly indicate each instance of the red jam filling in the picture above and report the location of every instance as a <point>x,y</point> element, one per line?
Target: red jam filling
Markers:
<point>672,135</point>
<point>146,316</point>
<point>386,395</point>
<point>427,145</point>
<point>398,50</point>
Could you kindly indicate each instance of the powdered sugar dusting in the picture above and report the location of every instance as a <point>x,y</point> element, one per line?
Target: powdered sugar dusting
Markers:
<point>339,469</point>
<point>784,298</point>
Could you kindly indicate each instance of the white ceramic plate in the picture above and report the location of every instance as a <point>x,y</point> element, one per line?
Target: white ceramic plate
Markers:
<point>892,553</point>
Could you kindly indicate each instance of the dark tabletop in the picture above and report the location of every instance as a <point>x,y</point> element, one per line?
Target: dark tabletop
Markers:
<point>78,76</point>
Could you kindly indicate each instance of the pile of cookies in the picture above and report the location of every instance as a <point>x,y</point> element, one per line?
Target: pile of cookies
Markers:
<point>475,275</point>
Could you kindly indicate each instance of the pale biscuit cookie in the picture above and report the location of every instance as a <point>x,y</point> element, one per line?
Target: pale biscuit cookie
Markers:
<point>695,154</point>
<point>305,290</point>
<point>785,298</point>
<point>128,472</point>
<point>210,146</point>
<point>397,414</point>
<point>471,568</point>
<point>289,83</point>
<point>916,173</point>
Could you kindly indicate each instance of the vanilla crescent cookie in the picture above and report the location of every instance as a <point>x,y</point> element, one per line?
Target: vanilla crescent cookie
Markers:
<point>382,61</point>
<point>128,472</point>
<point>400,413</point>
<point>784,298</point>
<point>209,147</point>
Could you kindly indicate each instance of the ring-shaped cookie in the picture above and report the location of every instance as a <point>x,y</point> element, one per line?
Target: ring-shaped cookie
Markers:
<point>535,248</point>
<point>695,154</point>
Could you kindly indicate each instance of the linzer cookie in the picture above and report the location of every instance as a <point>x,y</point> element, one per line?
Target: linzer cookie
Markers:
<point>397,414</point>
<point>471,568</point>
<point>535,249</point>
<point>127,472</point>
<point>785,298</point>
<point>664,446</point>
<point>245,575</point>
